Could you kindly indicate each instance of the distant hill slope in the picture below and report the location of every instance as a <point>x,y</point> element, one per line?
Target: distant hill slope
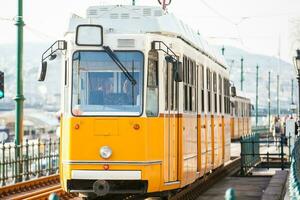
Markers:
<point>266,63</point>
<point>37,93</point>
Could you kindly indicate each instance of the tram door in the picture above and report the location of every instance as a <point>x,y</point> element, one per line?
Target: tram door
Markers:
<point>170,125</point>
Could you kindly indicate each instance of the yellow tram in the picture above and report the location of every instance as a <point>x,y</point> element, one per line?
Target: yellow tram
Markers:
<point>240,116</point>
<point>145,103</point>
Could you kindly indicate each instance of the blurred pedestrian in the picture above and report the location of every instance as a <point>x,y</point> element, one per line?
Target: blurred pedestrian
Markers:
<point>277,130</point>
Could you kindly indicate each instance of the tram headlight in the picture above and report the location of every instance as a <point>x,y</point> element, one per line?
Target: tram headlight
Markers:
<point>105,152</point>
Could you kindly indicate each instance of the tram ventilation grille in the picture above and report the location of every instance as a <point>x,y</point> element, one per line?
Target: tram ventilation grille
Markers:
<point>114,16</point>
<point>147,12</point>
<point>158,13</point>
<point>103,9</point>
<point>126,43</point>
<point>92,12</point>
<point>125,15</point>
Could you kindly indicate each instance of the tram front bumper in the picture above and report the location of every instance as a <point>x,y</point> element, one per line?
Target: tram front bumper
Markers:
<point>107,182</point>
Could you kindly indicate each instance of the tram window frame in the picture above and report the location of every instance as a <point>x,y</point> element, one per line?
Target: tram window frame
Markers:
<point>185,80</point>
<point>192,87</point>
<point>190,78</point>
<point>66,73</point>
<point>166,85</point>
<point>220,94</point>
<point>73,78</point>
<point>202,88</point>
<point>208,87</point>
<point>189,85</point>
<point>154,86</point>
<point>225,99</point>
<point>215,92</point>
<point>226,96</point>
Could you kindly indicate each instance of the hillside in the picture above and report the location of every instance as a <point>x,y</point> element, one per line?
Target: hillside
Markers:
<point>37,93</point>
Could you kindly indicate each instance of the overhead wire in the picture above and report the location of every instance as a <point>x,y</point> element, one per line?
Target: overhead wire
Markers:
<point>7,19</point>
<point>235,24</point>
<point>38,33</point>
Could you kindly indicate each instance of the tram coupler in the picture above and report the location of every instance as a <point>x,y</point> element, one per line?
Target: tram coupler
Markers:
<point>101,187</point>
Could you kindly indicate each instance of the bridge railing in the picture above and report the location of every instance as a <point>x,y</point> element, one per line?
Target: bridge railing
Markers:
<point>36,159</point>
<point>294,181</point>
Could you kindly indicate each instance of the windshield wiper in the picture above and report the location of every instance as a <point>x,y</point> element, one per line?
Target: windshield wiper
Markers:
<point>115,58</point>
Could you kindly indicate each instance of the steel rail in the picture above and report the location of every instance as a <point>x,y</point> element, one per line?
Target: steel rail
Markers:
<point>40,188</point>
<point>193,191</point>
<point>23,187</point>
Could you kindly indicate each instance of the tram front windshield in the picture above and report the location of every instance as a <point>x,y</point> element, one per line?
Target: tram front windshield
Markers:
<point>100,87</point>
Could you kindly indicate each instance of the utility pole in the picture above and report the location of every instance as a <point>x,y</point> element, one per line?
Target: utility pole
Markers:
<point>133,2</point>
<point>223,50</point>
<point>256,102</point>
<point>19,93</point>
<point>269,98</point>
<point>242,73</point>
<point>278,111</point>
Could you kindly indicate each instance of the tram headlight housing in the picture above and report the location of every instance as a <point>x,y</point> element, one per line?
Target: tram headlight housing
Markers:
<point>105,152</point>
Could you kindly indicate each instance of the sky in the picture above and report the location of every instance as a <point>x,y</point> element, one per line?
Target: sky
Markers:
<point>258,26</point>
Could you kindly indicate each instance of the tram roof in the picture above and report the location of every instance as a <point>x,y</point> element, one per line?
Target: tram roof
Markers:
<point>144,19</point>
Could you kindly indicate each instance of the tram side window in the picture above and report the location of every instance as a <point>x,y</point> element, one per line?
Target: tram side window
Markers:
<point>202,87</point>
<point>192,86</point>
<point>189,84</point>
<point>66,73</point>
<point>215,92</point>
<point>220,94</point>
<point>185,80</point>
<point>226,96</point>
<point>225,99</point>
<point>208,79</point>
<point>152,85</point>
<point>191,66</point>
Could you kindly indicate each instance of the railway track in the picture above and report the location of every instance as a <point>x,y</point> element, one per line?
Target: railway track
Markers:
<point>39,188</point>
<point>193,191</point>
<point>43,187</point>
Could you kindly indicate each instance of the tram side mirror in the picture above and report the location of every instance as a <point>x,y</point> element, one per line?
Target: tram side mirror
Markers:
<point>43,71</point>
<point>233,91</point>
<point>179,72</point>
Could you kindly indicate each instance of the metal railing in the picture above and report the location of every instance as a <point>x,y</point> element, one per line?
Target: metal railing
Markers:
<point>36,159</point>
<point>294,181</point>
<point>260,129</point>
<point>263,152</point>
<point>249,152</point>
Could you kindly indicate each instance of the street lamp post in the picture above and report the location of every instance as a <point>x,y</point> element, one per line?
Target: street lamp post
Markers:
<point>19,93</point>
<point>297,67</point>
<point>242,73</point>
<point>256,99</point>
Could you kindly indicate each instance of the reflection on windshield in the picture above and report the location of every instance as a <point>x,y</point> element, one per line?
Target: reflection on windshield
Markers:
<point>101,88</point>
